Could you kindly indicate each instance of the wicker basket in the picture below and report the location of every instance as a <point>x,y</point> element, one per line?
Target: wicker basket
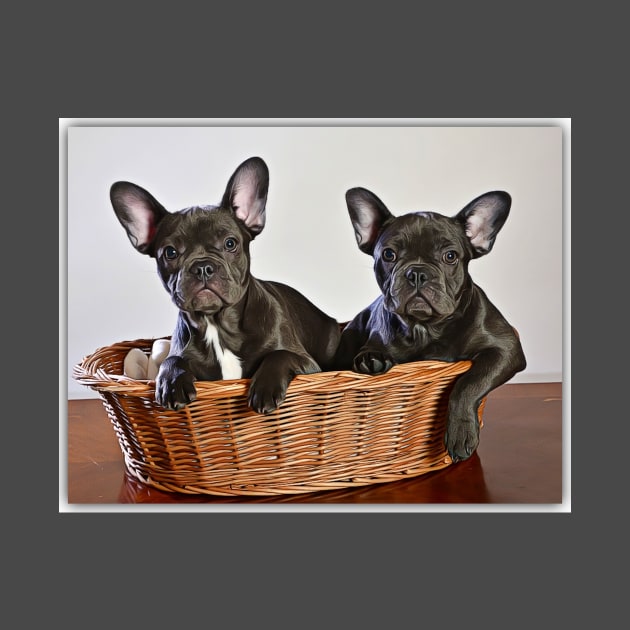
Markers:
<point>334,429</point>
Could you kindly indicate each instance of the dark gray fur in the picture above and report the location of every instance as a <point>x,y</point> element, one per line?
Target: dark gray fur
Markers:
<point>203,260</point>
<point>430,308</point>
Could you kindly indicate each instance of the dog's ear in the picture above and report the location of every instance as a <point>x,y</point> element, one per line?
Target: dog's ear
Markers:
<point>138,212</point>
<point>368,215</point>
<point>482,219</point>
<point>246,193</point>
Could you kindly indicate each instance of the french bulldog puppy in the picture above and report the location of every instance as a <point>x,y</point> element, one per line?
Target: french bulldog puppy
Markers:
<point>230,324</point>
<point>429,307</point>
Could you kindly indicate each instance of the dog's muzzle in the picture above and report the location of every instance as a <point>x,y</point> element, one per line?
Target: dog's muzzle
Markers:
<point>202,270</point>
<point>417,292</point>
<point>417,275</point>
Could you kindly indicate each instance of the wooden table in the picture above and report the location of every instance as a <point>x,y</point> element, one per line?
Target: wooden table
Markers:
<point>519,461</point>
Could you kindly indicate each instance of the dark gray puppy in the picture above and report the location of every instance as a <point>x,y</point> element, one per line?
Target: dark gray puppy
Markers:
<point>430,308</point>
<point>230,325</point>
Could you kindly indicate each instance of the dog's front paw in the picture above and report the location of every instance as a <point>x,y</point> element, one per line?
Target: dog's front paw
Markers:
<point>462,437</point>
<point>266,395</point>
<point>174,386</point>
<point>372,362</point>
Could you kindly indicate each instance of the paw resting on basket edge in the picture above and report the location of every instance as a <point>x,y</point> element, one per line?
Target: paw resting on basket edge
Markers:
<point>174,386</point>
<point>372,362</point>
<point>142,367</point>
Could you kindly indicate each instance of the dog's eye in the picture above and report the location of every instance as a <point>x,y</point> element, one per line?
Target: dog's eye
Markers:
<point>388,255</point>
<point>170,253</point>
<point>230,244</point>
<point>450,257</point>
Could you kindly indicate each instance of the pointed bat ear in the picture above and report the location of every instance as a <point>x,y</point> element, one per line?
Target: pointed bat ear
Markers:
<point>482,219</point>
<point>138,212</point>
<point>368,215</point>
<point>246,193</point>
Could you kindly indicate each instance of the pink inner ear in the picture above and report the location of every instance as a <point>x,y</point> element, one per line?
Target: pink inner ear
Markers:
<point>365,233</point>
<point>367,220</point>
<point>247,206</point>
<point>143,226</point>
<point>478,228</point>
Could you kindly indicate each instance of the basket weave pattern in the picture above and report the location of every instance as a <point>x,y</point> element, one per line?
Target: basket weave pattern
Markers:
<point>334,429</point>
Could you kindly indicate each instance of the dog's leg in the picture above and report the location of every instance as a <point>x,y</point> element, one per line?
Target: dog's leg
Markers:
<point>361,350</point>
<point>352,339</point>
<point>175,383</point>
<point>365,357</point>
<point>269,383</point>
<point>490,368</point>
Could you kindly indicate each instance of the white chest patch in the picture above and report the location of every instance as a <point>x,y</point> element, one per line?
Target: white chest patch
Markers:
<point>229,362</point>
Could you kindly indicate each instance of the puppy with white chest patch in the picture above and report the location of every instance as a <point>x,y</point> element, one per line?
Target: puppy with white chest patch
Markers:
<point>430,308</point>
<point>230,324</point>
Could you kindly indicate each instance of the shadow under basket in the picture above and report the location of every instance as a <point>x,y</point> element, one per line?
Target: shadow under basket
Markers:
<point>334,430</point>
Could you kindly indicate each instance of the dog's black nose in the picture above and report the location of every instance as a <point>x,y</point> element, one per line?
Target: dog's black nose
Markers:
<point>416,276</point>
<point>202,269</point>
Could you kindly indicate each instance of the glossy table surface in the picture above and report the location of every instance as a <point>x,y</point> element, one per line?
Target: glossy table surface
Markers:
<point>519,462</point>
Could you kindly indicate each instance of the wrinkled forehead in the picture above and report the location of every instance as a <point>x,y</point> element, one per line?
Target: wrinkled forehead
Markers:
<point>200,223</point>
<point>423,229</point>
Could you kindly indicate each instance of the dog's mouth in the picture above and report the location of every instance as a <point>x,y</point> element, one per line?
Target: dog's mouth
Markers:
<point>202,299</point>
<point>421,304</point>
<point>418,306</point>
<point>206,299</point>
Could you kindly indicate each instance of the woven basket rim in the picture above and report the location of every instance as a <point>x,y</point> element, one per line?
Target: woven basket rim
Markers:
<point>89,373</point>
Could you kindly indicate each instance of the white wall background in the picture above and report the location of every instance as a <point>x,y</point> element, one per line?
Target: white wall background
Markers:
<point>114,294</point>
